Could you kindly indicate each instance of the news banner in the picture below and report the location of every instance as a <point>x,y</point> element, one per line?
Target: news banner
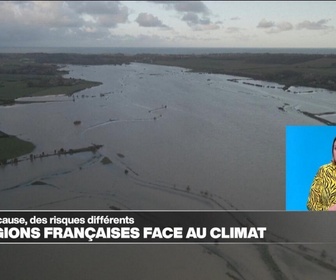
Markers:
<point>152,227</point>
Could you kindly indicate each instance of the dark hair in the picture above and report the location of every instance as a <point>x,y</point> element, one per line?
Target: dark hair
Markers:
<point>332,147</point>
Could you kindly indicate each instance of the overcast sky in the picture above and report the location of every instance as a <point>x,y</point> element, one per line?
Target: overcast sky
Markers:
<point>302,24</point>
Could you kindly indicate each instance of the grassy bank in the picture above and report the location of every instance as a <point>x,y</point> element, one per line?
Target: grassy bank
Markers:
<point>22,76</point>
<point>318,71</point>
<point>18,86</point>
<point>12,147</point>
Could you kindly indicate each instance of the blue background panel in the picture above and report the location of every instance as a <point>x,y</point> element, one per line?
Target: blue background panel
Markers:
<point>307,148</point>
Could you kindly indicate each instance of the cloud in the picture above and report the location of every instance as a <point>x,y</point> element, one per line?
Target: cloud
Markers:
<point>31,23</point>
<point>284,26</point>
<point>318,25</point>
<point>195,13</point>
<point>58,14</point>
<point>148,20</point>
<point>199,24</point>
<point>191,18</point>
<point>59,23</point>
<point>280,27</point>
<point>107,14</point>
<point>235,18</point>
<point>272,27</point>
<point>265,24</point>
<point>185,6</point>
<point>15,35</point>
<point>95,7</point>
<point>47,14</point>
<point>195,7</point>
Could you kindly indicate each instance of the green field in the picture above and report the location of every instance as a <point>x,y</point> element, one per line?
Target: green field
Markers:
<point>23,76</point>
<point>12,147</point>
<point>317,71</point>
<point>13,87</point>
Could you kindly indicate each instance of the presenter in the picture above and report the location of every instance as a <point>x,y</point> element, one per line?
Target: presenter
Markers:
<point>322,195</point>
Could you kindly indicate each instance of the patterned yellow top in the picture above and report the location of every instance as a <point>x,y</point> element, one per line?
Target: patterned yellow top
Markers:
<point>323,189</point>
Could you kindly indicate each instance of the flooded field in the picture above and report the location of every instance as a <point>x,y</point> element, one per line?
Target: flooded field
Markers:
<point>171,140</point>
<point>176,140</point>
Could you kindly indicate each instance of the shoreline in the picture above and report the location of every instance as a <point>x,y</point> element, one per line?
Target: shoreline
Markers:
<point>289,69</point>
<point>303,70</point>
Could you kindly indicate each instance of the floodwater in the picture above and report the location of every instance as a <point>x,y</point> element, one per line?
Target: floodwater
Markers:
<point>176,140</point>
<point>187,141</point>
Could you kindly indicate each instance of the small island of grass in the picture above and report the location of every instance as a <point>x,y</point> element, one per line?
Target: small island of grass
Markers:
<point>12,147</point>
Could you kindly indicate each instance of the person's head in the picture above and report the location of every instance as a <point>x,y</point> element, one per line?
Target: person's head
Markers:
<point>333,151</point>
